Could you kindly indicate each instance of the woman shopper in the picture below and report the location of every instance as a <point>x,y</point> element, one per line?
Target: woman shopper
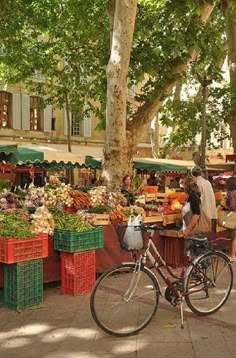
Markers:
<point>231,206</point>
<point>195,220</point>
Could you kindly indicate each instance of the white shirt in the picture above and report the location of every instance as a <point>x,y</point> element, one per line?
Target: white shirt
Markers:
<point>208,201</point>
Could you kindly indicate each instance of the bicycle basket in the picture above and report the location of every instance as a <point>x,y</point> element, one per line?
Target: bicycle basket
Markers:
<point>130,237</point>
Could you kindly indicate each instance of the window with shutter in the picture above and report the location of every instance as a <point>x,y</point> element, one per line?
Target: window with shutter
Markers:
<point>36,113</point>
<point>75,125</point>
<point>25,112</point>
<point>47,119</point>
<point>16,111</point>
<point>5,109</point>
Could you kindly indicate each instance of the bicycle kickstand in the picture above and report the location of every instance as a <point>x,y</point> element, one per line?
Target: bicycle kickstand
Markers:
<point>182,312</point>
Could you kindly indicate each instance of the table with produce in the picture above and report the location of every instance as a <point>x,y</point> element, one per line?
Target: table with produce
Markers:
<point>58,232</point>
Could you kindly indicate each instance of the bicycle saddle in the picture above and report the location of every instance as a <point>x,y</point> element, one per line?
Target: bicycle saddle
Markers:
<point>200,240</point>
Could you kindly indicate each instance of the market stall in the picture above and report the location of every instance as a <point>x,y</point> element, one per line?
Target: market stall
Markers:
<point>80,224</point>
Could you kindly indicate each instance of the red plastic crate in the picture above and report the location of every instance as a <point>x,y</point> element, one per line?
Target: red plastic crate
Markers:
<point>14,250</point>
<point>77,272</point>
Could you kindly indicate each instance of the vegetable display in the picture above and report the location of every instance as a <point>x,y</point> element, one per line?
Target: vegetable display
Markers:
<point>66,221</point>
<point>43,221</point>
<point>80,200</point>
<point>11,225</point>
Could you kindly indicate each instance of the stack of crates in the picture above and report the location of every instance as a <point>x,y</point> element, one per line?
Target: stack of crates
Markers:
<point>77,272</point>
<point>23,284</point>
<point>23,270</point>
<point>78,267</point>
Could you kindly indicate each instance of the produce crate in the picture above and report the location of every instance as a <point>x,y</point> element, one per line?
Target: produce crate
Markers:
<point>23,284</point>
<point>101,219</point>
<point>150,197</point>
<point>75,241</point>
<point>162,197</point>
<point>168,219</point>
<point>14,250</point>
<point>77,272</point>
<point>157,217</point>
<point>141,199</point>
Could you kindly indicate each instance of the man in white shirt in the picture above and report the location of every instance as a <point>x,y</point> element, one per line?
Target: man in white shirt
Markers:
<point>208,201</point>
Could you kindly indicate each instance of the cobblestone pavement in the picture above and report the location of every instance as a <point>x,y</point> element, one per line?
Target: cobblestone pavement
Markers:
<point>62,327</point>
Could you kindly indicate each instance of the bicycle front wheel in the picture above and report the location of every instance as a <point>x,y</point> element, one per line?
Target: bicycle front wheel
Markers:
<point>209,283</point>
<point>124,300</point>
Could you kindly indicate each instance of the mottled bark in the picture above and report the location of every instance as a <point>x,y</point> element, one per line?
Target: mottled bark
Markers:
<point>117,155</point>
<point>122,136</point>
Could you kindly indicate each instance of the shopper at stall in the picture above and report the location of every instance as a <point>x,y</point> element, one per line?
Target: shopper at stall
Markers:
<point>126,183</point>
<point>127,189</point>
<point>208,202</point>
<point>152,180</point>
<point>195,220</point>
<point>231,206</point>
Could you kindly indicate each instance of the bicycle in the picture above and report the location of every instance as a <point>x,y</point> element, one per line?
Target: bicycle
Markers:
<point>125,297</point>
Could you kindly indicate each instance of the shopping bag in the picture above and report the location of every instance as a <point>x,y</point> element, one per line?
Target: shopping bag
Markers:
<point>133,239</point>
<point>227,219</point>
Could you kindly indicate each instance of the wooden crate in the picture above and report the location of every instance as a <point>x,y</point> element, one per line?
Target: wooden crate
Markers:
<point>101,219</point>
<point>141,199</point>
<point>162,197</point>
<point>150,197</point>
<point>153,218</point>
<point>168,219</point>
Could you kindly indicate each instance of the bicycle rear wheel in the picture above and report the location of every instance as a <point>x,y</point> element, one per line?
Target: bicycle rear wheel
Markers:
<point>209,283</point>
<point>124,300</point>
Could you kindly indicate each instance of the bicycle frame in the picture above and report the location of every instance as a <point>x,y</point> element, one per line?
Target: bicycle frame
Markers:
<point>183,274</point>
<point>147,254</point>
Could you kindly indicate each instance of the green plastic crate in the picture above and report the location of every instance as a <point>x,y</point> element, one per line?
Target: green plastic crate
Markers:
<point>74,241</point>
<point>23,284</point>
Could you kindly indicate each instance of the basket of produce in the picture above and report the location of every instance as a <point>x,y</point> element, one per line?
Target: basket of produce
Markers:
<point>72,234</point>
<point>17,242</point>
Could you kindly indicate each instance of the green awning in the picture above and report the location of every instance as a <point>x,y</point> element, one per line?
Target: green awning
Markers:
<point>142,164</point>
<point>8,148</point>
<point>154,164</point>
<point>91,162</point>
<point>25,155</point>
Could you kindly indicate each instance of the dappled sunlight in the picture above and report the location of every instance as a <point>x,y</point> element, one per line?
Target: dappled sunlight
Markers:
<point>62,333</point>
<point>35,328</point>
<point>126,347</point>
<point>55,335</point>
<point>16,342</point>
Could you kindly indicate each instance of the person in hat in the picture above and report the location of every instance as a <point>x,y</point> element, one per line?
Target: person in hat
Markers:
<point>208,202</point>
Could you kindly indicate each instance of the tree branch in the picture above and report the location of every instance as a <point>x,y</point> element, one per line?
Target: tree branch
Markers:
<point>148,110</point>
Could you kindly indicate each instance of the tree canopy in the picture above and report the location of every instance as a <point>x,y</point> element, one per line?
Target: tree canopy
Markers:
<point>70,42</point>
